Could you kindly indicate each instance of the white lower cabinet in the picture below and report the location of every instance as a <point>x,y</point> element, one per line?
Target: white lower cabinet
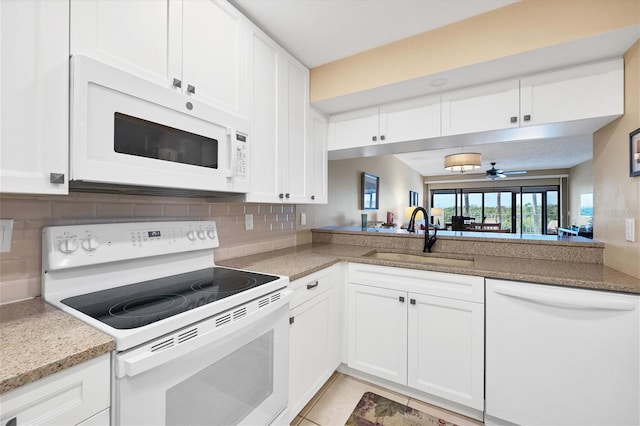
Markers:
<point>420,329</point>
<point>315,334</point>
<point>77,395</point>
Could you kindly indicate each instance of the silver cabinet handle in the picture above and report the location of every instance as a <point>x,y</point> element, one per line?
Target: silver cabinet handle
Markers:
<point>401,299</point>
<point>287,195</point>
<point>527,117</point>
<point>312,285</point>
<point>292,320</point>
<point>177,83</point>
<point>191,89</point>
<point>56,178</point>
<point>281,195</point>
<point>381,137</point>
<point>374,138</point>
<point>313,197</point>
<point>412,301</point>
<point>514,119</point>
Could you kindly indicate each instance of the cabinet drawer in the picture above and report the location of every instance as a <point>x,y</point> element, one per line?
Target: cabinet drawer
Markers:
<point>307,287</point>
<point>454,286</point>
<point>65,398</point>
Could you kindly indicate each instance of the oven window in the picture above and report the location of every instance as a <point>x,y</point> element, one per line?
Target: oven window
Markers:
<point>224,393</point>
<point>134,136</point>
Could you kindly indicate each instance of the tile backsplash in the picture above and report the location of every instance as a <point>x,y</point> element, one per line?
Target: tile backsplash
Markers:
<point>20,269</point>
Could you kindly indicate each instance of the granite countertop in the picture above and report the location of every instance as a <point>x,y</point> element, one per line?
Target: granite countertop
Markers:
<point>37,340</point>
<point>296,262</point>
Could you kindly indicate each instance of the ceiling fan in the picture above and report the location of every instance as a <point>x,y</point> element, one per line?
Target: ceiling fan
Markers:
<point>494,174</point>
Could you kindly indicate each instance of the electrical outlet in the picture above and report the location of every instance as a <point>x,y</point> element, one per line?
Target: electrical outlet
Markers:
<point>630,230</point>
<point>303,219</point>
<point>248,222</point>
<point>6,231</point>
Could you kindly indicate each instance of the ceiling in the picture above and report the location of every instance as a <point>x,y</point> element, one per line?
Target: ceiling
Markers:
<point>544,154</point>
<point>321,31</point>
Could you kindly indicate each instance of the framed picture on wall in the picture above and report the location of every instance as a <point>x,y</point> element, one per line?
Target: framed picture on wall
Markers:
<point>413,198</point>
<point>634,153</point>
<point>370,195</point>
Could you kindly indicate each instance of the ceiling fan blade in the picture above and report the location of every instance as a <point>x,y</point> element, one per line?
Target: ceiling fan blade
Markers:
<point>516,172</point>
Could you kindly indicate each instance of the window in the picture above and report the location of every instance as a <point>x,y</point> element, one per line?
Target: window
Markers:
<point>525,210</point>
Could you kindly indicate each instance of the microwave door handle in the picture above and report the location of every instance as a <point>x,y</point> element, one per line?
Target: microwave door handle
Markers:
<point>233,155</point>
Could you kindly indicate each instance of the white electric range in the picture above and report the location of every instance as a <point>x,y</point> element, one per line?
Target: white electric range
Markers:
<point>195,343</point>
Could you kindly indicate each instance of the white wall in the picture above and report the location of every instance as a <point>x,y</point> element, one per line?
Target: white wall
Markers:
<point>396,180</point>
<point>580,182</point>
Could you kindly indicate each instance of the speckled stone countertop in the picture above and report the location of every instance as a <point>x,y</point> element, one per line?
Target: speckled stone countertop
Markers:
<point>296,262</point>
<point>37,340</point>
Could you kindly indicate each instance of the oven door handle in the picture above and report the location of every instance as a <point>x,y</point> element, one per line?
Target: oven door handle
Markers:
<point>145,360</point>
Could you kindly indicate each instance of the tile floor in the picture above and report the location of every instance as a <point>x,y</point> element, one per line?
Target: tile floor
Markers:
<point>333,404</point>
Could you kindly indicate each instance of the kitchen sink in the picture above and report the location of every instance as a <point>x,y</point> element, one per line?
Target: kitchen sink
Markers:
<point>423,259</point>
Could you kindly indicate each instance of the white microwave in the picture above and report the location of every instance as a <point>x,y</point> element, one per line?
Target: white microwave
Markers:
<point>129,134</point>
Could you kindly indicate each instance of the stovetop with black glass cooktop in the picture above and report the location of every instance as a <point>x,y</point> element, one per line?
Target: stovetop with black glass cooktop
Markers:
<point>140,304</point>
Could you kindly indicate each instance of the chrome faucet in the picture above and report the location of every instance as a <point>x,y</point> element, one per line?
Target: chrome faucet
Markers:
<point>429,240</point>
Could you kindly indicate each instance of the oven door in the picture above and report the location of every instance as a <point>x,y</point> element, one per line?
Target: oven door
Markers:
<point>228,374</point>
<point>128,131</point>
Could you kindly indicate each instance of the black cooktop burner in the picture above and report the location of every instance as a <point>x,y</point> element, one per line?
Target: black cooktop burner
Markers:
<point>139,304</point>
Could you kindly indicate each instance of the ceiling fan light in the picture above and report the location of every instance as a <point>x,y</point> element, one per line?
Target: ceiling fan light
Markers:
<point>463,162</point>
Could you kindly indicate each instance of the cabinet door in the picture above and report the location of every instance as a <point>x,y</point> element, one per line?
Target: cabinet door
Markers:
<point>64,398</point>
<point>139,36</point>
<point>377,332</point>
<point>410,120</point>
<point>589,91</point>
<point>295,113</point>
<point>34,96</point>
<point>355,129</point>
<point>263,142</point>
<point>483,108</point>
<point>310,355</point>
<point>317,159</point>
<point>446,348</point>
<point>214,57</point>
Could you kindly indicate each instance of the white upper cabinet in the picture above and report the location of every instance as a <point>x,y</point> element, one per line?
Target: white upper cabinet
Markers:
<point>294,108</point>
<point>263,115</point>
<point>197,47</point>
<point>214,54</point>
<point>279,114</point>
<point>317,173</point>
<point>595,90</point>
<point>34,96</point>
<point>479,109</point>
<point>410,120</point>
<point>354,129</point>
<point>413,119</point>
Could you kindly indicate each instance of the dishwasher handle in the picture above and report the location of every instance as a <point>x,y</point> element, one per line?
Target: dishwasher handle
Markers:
<point>564,301</point>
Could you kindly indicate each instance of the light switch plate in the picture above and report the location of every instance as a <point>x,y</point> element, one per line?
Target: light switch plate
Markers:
<point>303,219</point>
<point>6,231</point>
<point>248,222</point>
<point>630,230</point>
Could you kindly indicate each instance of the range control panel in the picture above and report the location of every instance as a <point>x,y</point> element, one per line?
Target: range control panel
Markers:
<point>81,245</point>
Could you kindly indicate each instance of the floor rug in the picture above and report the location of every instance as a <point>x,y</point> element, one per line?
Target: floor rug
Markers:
<point>375,410</point>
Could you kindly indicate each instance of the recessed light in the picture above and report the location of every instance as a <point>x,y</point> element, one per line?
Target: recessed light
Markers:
<point>439,82</point>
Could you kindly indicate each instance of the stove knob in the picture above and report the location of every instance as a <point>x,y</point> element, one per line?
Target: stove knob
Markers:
<point>211,234</point>
<point>191,235</point>
<point>68,245</point>
<point>201,235</point>
<point>90,244</point>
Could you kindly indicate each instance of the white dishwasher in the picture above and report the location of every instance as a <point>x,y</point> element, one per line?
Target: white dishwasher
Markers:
<point>561,356</point>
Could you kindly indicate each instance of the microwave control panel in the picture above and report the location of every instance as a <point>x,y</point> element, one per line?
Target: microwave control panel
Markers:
<point>241,157</point>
